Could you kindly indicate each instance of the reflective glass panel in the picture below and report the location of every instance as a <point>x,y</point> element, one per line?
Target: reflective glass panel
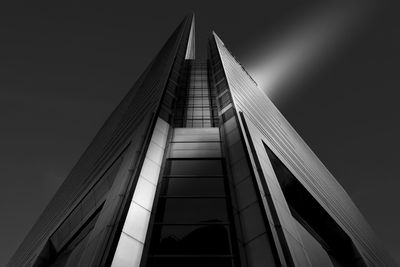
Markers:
<point>192,186</point>
<point>192,262</point>
<point>190,239</point>
<point>194,167</point>
<point>191,210</point>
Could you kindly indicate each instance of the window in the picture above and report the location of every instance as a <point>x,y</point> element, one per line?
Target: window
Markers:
<point>190,261</point>
<point>191,239</point>
<point>201,167</point>
<point>191,210</point>
<point>193,186</point>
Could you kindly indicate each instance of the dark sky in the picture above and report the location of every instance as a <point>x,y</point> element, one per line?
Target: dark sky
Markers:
<point>334,75</point>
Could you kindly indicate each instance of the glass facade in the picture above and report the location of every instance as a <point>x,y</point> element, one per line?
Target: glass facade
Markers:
<point>196,107</point>
<point>192,224</point>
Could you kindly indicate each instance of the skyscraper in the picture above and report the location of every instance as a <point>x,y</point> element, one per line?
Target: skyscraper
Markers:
<point>197,167</point>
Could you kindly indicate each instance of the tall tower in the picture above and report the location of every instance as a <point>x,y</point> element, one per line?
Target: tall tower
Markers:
<point>197,167</point>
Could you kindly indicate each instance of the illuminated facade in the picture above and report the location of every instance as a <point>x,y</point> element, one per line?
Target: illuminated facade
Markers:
<point>197,167</point>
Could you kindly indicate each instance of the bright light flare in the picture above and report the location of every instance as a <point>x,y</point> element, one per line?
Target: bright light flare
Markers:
<point>305,47</point>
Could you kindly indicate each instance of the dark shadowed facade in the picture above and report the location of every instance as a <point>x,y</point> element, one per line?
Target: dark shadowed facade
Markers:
<point>197,167</point>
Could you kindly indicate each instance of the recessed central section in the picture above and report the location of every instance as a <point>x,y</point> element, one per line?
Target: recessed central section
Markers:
<point>196,105</point>
<point>192,225</point>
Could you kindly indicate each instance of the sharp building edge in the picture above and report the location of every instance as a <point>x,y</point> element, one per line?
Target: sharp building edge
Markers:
<point>197,167</point>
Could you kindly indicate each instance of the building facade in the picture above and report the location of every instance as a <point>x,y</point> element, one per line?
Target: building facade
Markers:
<point>197,167</point>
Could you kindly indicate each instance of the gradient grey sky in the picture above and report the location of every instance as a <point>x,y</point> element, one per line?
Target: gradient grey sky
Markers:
<point>65,66</point>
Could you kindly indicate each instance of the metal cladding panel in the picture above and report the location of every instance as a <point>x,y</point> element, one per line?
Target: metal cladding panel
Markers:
<point>133,235</point>
<point>137,107</point>
<point>268,125</point>
<point>191,46</point>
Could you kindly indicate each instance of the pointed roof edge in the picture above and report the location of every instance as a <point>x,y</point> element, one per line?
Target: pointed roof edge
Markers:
<point>217,37</point>
<point>191,45</point>
<point>219,41</point>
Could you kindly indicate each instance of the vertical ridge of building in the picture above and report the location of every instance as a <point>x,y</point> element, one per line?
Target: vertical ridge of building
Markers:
<point>129,121</point>
<point>269,130</point>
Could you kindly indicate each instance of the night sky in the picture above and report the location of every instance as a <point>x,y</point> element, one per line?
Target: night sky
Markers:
<point>332,68</point>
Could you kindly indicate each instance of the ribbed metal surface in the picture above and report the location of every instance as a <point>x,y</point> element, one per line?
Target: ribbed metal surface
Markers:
<point>269,125</point>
